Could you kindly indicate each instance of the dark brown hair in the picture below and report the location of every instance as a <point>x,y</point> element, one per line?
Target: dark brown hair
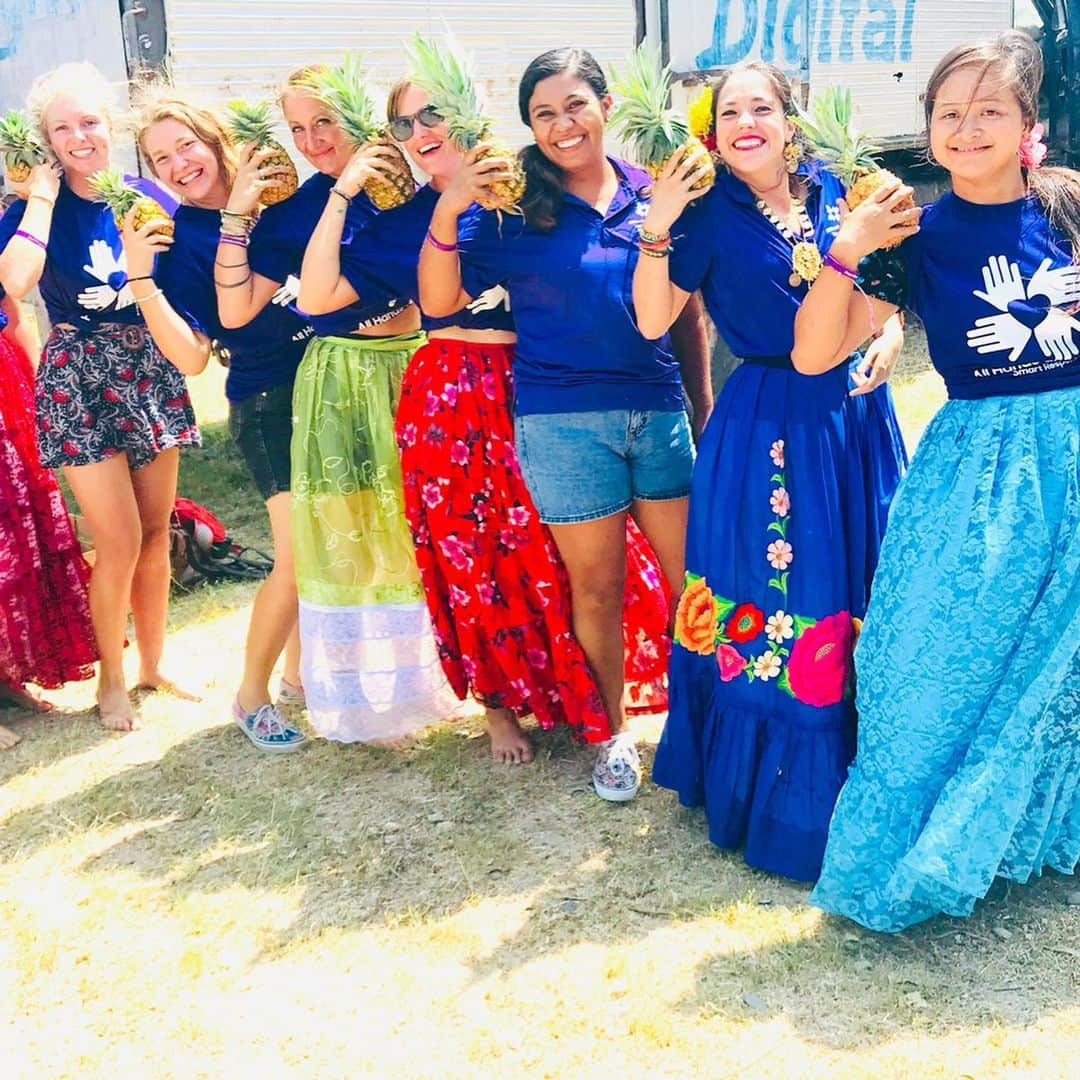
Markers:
<point>545,182</point>
<point>1014,59</point>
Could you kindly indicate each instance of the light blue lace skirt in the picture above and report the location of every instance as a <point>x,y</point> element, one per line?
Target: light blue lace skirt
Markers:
<point>968,761</point>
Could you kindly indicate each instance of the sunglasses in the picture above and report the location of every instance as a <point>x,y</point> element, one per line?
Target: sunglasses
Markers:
<point>401,127</point>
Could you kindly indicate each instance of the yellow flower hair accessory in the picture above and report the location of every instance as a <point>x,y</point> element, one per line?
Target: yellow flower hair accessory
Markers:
<point>700,112</point>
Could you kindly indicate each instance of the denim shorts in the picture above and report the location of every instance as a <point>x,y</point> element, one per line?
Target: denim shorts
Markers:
<point>581,466</point>
<point>261,426</point>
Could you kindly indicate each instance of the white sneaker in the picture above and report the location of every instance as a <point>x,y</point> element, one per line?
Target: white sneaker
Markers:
<point>616,775</point>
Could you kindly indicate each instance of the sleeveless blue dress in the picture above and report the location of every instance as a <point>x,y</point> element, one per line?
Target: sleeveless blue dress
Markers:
<point>789,498</point>
<point>968,763</point>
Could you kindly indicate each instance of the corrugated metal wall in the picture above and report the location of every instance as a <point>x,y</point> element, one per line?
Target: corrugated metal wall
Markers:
<point>243,48</point>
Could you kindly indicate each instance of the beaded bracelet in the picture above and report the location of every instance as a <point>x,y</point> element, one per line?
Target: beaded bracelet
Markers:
<point>233,239</point>
<point>437,244</point>
<point>655,238</point>
<point>35,240</point>
<point>656,252</point>
<point>140,300</point>
<point>835,264</point>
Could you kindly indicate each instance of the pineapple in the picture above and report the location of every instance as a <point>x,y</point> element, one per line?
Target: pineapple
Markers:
<point>120,197</point>
<point>644,120</point>
<point>343,89</point>
<point>447,76</point>
<point>251,123</point>
<point>20,146</point>
<point>845,151</point>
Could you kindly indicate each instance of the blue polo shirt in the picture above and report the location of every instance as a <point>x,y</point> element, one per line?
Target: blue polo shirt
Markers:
<point>264,353</point>
<point>571,290</point>
<point>84,279</point>
<point>383,259</point>
<point>992,285</point>
<point>277,250</point>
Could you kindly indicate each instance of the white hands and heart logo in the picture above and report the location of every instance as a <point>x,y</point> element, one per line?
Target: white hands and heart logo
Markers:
<point>1026,312</point>
<point>111,271</point>
<point>490,299</point>
<point>286,295</point>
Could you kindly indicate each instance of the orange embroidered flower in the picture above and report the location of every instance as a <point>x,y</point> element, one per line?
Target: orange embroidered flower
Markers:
<point>695,618</point>
<point>746,623</point>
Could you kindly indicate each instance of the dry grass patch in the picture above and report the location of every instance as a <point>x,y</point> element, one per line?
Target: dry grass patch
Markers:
<point>176,905</point>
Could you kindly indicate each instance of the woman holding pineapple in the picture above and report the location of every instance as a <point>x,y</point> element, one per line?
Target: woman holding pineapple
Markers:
<point>492,579</point>
<point>189,148</point>
<point>112,411</point>
<point>600,425</point>
<point>969,742</point>
<point>791,489</point>
<point>368,659</point>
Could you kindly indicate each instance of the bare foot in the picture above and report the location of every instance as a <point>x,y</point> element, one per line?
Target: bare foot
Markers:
<point>114,707</point>
<point>8,738</point>
<point>22,698</point>
<point>509,744</point>
<point>156,682</point>
<point>392,742</point>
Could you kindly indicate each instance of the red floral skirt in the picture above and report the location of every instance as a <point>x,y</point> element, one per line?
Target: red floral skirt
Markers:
<point>45,632</point>
<point>495,586</point>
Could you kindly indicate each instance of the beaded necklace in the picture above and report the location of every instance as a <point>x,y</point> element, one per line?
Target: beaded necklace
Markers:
<point>806,260</point>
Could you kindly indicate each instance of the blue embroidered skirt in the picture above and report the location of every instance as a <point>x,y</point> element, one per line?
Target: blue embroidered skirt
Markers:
<point>788,503</point>
<point>969,672</point>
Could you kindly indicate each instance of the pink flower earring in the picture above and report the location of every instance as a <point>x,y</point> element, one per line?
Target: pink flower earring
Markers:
<point>1032,150</point>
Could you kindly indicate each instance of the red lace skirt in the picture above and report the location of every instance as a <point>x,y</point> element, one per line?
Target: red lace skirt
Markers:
<point>45,632</point>
<point>495,586</point>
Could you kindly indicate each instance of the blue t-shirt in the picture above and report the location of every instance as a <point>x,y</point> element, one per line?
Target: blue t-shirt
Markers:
<point>993,286</point>
<point>727,248</point>
<point>84,281</point>
<point>264,353</point>
<point>578,345</point>
<point>383,259</point>
<point>277,250</point>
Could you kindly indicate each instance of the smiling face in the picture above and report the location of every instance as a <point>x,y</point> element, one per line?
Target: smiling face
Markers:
<point>78,133</point>
<point>976,127</point>
<point>187,164</point>
<point>567,120</point>
<point>429,147</point>
<point>316,132</point>
<point>751,128</point>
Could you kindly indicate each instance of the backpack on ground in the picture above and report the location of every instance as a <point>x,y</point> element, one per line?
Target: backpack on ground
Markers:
<point>200,549</point>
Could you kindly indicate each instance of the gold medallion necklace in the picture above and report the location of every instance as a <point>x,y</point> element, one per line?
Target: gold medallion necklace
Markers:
<point>805,257</point>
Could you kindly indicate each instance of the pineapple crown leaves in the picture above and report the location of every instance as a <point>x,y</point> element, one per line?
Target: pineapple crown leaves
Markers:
<point>250,121</point>
<point>643,117</point>
<point>447,74</point>
<point>18,138</point>
<point>344,90</point>
<point>830,128</point>
<point>110,186</point>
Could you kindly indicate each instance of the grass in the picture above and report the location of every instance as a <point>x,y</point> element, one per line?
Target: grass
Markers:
<point>175,905</point>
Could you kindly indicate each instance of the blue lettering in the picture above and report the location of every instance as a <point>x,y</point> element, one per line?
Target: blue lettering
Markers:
<point>768,31</point>
<point>905,37</point>
<point>722,52</point>
<point>796,35</point>
<point>824,37</point>
<point>879,31</point>
<point>848,10</point>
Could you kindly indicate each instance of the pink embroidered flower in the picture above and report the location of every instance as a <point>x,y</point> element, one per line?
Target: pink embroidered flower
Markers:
<point>431,494</point>
<point>779,627</point>
<point>508,539</point>
<point>459,452</point>
<point>450,394</point>
<point>408,435</point>
<point>459,555</point>
<point>730,662</point>
<point>458,597</point>
<point>431,404</point>
<point>469,665</point>
<point>518,515</point>
<point>776,452</point>
<point>537,658</point>
<point>767,666</point>
<point>1032,149</point>
<point>487,385</point>
<point>780,554</point>
<point>780,502</point>
<point>486,591</point>
<point>645,650</point>
<point>821,660</point>
<point>464,381</point>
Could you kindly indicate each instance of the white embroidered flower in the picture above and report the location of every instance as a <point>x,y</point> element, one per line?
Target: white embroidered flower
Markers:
<point>780,554</point>
<point>780,501</point>
<point>779,627</point>
<point>766,666</point>
<point>776,452</point>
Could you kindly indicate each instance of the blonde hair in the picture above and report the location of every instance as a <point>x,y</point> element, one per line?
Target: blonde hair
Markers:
<point>297,81</point>
<point>79,79</point>
<point>393,98</point>
<point>157,103</point>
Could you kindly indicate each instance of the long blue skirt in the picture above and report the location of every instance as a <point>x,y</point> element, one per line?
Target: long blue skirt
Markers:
<point>968,763</point>
<point>788,503</point>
